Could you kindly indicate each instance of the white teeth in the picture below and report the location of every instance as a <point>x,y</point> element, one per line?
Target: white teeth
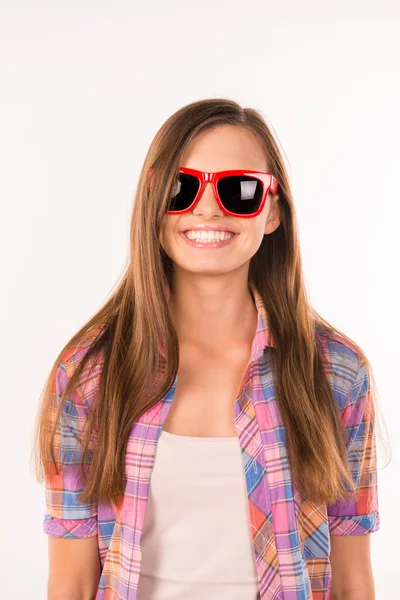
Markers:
<point>208,235</point>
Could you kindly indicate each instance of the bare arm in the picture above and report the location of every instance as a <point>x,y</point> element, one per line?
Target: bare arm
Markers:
<point>352,577</point>
<point>74,568</point>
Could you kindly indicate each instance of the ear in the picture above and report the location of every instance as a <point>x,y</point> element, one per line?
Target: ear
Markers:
<point>274,216</point>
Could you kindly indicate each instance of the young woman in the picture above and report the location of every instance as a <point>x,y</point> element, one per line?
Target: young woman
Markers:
<point>207,434</point>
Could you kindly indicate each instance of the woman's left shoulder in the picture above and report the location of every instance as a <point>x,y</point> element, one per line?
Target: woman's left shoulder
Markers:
<point>342,362</point>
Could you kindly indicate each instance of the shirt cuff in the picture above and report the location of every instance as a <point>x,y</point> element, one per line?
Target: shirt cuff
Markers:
<point>354,525</point>
<point>70,528</point>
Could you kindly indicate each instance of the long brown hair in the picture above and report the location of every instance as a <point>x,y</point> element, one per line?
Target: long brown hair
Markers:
<point>121,341</point>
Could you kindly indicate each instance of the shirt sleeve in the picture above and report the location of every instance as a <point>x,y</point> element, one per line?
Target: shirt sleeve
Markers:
<point>65,515</point>
<point>359,515</point>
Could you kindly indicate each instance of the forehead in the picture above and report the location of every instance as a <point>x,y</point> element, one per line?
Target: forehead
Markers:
<point>225,147</point>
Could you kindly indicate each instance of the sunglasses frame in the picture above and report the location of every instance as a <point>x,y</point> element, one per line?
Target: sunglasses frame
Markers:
<point>269,183</point>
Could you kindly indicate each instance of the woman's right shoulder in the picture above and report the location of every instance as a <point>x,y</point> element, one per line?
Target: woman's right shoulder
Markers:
<point>88,380</point>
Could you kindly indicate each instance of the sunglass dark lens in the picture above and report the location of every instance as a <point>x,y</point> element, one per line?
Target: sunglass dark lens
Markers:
<point>184,192</point>
<point>240,194</point>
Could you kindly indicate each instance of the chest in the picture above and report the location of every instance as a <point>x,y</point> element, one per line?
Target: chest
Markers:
<point>274,502</point>
<point>206,392</point>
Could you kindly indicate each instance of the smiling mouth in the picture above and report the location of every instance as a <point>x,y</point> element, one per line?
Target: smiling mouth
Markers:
<point>217,236</point>
<point>209,241</point>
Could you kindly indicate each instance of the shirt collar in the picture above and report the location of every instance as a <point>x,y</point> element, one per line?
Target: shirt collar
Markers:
<point>263,336</point>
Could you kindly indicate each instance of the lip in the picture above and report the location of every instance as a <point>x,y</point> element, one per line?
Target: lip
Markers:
<point>208,228</point>
<point>215,244</point>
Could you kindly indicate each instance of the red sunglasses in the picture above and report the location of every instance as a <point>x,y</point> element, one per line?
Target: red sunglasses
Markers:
<point>239,192</point>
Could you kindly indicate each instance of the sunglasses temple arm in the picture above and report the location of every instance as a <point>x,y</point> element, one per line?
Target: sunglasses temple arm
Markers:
<point>274,185</point>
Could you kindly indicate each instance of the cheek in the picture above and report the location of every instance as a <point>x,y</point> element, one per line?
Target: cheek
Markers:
<point>254,236</point>
<point>259,225</point>
<point>255,241</point>
<point>255,228</point>
<point>166,231</point>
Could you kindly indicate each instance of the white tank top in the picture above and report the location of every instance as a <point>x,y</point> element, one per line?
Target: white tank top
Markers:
<point>196,541</point>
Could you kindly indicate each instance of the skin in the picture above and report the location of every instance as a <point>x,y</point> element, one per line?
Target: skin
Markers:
<point>212,306</point>
<point>206,279</point>
<point>74,568</point>
<point>352,577</point>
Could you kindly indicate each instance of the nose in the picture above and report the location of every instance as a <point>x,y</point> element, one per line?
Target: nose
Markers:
<point>207,204</point>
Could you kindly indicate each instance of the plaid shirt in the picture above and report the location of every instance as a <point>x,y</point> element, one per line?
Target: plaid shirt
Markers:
<point>291,535</point>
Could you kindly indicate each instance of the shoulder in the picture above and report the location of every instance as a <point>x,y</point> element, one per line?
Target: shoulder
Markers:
<point>344,364</point>
<point>87,381</point>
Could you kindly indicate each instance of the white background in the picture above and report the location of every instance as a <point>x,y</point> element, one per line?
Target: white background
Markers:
<point>84,86</point>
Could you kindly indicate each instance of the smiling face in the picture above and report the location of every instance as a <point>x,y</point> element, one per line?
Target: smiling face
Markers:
<point>223,148</point>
